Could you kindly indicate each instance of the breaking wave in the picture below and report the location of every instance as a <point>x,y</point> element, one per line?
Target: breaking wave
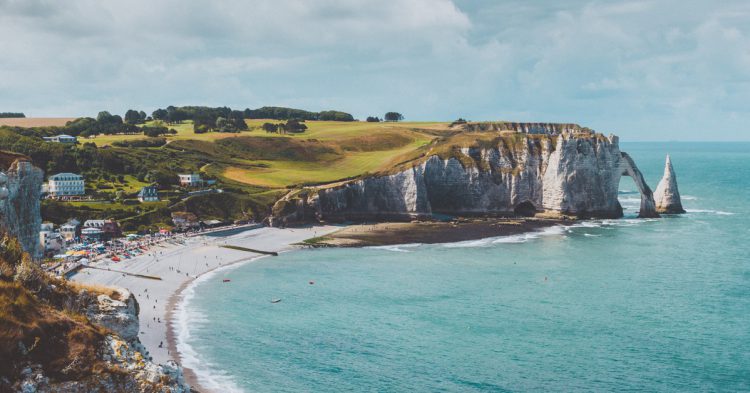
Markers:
<point>718,212</point>
<point>397,248</point>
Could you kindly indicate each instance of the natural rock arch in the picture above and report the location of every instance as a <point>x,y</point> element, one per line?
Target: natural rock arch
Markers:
<point>628,168</point>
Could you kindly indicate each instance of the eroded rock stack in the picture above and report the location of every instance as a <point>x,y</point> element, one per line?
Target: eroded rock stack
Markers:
<point>667,196</point>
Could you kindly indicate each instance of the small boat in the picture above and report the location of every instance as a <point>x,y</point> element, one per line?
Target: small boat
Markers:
<point>115,258</point>
<point>275,300</point>
<point>226,280</point>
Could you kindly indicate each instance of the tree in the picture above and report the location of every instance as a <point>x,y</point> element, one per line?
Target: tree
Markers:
<point>393,116</point>
<point>159,114</point>
<point>335,116</point>
<point>154,131</point>
<point>270,127</point>
<point>132,117</point>
<point>11,114</point>
<point>224,125</point>
<point>237,119</point>
<point>104,117</point>
<point>294,126</point>
<point>371,119</point>
<point>143,116</point>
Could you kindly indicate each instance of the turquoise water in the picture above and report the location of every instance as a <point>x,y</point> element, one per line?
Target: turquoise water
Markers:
<point>614,305</point>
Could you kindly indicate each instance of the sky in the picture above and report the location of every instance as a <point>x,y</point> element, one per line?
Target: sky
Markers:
<point>645,70</point>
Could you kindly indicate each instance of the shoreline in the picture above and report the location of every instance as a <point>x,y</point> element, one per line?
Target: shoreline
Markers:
<point>175,299</point>
<point>173,259</point>
<point>179,265</point>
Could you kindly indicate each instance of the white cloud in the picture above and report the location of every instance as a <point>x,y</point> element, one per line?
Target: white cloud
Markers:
<point>636,68</point>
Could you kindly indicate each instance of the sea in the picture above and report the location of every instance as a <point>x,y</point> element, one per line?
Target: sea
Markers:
<point>657,305</point>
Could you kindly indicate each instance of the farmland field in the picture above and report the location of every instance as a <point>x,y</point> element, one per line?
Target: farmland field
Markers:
<point>35,121</point>
<point>327,151</point>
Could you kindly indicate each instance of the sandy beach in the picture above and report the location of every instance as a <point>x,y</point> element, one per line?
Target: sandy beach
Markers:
<point>177,266</point>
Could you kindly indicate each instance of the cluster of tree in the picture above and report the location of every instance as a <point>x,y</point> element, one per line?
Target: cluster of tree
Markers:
<point>393,116</point>
<point>171,115</point>
<point>135,117</point>
<point>156,130</point>
<point>205,119</point>
<point>6,115</point>
<point>234,121</point>
<point>282,113</point>
<point>105,123</point>
<point>291,126</point>
<point>373,119</point>
<point>335,116</point>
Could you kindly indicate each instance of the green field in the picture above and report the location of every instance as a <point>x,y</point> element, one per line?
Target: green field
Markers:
<point>327,151</point>
<point>184,132</point>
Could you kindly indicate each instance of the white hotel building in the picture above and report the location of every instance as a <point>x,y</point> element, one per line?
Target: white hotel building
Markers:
<point>65,184</point>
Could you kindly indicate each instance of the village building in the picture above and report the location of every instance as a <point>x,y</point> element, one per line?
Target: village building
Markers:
<point>50,241</point>
<point>92,234</point>
<point>108,228</point>
<point>211,223</point>
<point>70,230</point>
<point>190,180</point>
<point>61,139</point>
<point>148,194</point>
<point>65,184</point>
<point>185,220</point>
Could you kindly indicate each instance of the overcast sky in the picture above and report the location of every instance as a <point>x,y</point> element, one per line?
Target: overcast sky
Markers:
<point>648,70</point>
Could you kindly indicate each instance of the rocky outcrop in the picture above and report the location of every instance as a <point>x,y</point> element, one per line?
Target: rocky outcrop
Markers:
<point>120,316</point>
<point>121,364</point>
<point>20,190</point>
<point>574,173</point>
<point>667,195</point>
<point>130,372</point>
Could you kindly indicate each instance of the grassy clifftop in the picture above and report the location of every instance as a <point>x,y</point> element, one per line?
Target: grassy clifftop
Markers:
<point>256,167</point>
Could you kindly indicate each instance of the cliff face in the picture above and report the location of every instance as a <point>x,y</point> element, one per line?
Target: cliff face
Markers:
<point>573,173</point>
<point>20,190</point>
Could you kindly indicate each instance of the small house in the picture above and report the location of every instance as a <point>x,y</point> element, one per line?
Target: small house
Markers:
<point>61,139</point>
<point>185,220</point>
<point>148,194</point>
<point>108,228</point>
<point>190,180</point>
<point>70,230</point>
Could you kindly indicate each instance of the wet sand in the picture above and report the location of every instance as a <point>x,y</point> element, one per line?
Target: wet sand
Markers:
<point>428,232</point>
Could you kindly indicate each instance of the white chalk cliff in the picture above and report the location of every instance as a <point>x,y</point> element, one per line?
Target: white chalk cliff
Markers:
<point>667,195</point>
<point>20,189</point>
<point>573,173</point>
